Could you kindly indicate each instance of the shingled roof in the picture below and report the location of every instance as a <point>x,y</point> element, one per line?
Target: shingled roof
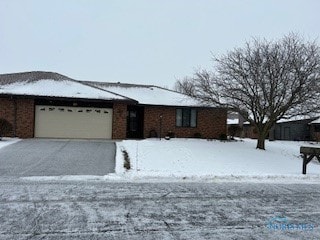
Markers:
<point>31,77</point>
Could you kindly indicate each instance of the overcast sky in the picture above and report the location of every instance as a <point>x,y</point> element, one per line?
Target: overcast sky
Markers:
<point>140,41</point>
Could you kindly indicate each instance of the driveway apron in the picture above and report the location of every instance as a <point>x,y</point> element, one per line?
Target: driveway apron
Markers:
<point>48,157</point>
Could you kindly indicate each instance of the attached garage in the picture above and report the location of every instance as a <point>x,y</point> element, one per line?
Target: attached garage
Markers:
<point>50,105</point>
<point>73,122</point>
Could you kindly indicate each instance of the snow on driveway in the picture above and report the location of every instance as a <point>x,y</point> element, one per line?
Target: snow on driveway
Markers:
<point>7,141</point>
<point>199,158</point>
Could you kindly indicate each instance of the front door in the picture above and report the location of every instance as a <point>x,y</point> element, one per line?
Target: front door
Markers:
<point>135,122</point>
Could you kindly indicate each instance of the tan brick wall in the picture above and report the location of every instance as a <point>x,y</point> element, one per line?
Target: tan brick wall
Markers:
<point>25,115</point>
<point>211,122</point>
<point>119,121</point>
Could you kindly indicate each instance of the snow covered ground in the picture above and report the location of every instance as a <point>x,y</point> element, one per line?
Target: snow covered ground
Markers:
<point>7,141</point>
<point>196,158</point>
<point>91,207</point>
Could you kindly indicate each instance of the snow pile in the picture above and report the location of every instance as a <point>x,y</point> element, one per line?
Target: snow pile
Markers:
<point>7,141</point>
<point>210,159</point>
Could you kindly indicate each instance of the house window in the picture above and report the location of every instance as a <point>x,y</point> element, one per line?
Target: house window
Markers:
<point>186,117</point>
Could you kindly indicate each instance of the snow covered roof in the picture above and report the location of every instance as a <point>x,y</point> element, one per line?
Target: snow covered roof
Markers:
<point>54,88</point>
<point>148,94</point>
<point>232,121</point>
<point>296,118</point>
<point>56,85</point>
<point>317,121</point>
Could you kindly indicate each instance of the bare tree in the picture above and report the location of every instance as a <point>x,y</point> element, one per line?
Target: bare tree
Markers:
<point>264,81</point>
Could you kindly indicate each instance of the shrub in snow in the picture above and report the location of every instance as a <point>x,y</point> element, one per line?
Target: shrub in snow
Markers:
<point>223,137</point>
<point>171,134</point>
<point>5,127</point>
<point>126,158</point>
<point>234,130</point>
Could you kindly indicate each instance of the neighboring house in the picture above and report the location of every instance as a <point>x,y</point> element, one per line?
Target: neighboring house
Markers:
<point>295,129</point>
<point>299,128</point>
<point>235,119</point>
<point>235,124</point>
<point>249,131</point>
<point>245,130</point>
<point>50,105</point>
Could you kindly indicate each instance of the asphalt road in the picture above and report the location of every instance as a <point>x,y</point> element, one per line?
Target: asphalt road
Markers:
<point>48,157</point>
<point>118,210</point>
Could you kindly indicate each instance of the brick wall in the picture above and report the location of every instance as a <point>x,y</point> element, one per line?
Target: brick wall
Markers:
<point>211,122</point>
<point>25,115</point>
<point>119,121</point>
<point>25,118</point>
<point>7,112</point>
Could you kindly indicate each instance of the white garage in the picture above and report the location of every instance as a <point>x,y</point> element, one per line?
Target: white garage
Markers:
<point>73,122</point>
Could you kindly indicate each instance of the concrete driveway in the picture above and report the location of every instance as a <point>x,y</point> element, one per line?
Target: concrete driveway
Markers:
<point>48,157</point>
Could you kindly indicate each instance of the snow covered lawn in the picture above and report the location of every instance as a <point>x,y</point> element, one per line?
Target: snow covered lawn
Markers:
<point>207,159</point>
<point>7,141</point>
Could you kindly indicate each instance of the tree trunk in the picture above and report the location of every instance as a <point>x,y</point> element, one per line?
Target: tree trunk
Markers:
<point>261,141</point>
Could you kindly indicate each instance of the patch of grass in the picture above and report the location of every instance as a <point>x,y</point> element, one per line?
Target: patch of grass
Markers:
<point>126,158</point>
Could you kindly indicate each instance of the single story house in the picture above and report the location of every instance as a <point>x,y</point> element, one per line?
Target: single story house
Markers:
<point>50,105</point>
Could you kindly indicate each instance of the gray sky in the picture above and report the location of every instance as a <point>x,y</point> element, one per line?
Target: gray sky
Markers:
<point>140,41</point>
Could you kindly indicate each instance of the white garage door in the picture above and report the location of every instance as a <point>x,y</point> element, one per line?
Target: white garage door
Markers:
<point>73,122</point>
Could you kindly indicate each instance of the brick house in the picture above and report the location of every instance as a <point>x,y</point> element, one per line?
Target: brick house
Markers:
<point>50,105</point>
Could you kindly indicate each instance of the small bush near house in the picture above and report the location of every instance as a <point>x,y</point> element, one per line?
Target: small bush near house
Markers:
<point>171,134</point>
<point>223,137</point>
<point>126,158</point>
<point>5,127</point>
<point>234,130</point>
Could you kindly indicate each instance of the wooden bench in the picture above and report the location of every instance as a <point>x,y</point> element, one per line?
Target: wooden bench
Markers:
<point>308,154</point>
